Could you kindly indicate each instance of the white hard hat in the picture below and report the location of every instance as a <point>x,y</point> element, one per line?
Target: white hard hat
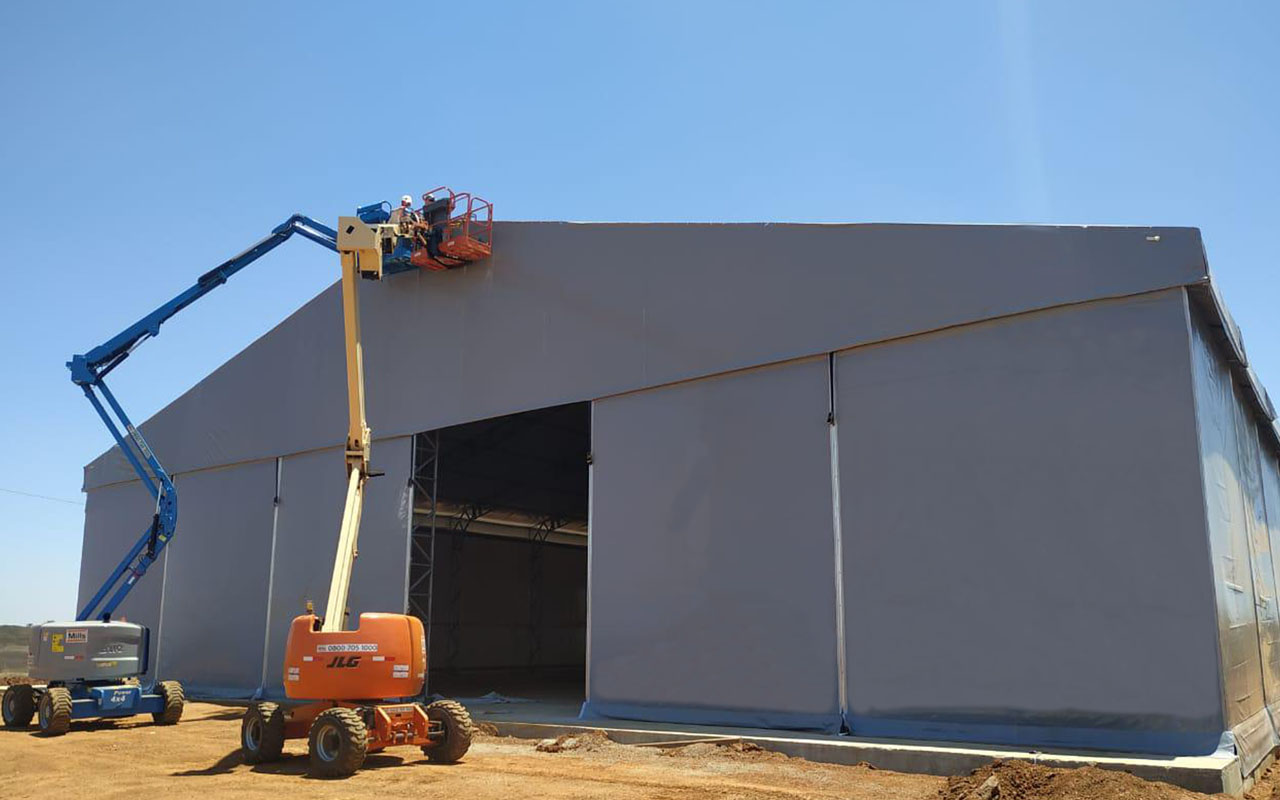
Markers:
<point>406,200</point>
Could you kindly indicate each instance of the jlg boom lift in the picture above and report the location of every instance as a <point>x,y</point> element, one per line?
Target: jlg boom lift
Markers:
<point>361,683</point>
<point>85,664</point>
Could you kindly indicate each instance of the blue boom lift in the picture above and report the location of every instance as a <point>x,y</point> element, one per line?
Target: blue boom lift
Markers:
<point>85,664</point>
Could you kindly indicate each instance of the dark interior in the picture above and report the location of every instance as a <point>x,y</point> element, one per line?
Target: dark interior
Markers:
<point>499,563</point>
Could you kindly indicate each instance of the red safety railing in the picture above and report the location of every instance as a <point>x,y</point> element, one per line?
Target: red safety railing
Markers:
<point>468,231</point>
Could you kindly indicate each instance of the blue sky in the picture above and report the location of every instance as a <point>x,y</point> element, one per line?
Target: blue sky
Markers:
<point>144,143</point>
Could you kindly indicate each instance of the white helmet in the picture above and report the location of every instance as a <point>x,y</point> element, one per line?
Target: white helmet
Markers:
<point>406,200</point>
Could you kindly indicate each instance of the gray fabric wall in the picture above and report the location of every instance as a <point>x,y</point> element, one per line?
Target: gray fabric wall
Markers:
<point>216,586</point>
<point>569,312</point>
<point>1270,648</point>
<point>1024,536</point>
<point>712,581</point>
<point>1025,547</point>
<point>1239,540</point>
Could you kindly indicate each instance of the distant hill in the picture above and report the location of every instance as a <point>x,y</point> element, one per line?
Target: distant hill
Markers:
<point>13,649</point>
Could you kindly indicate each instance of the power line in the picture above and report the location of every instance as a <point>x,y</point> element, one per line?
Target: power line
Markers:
<point>43,497</point>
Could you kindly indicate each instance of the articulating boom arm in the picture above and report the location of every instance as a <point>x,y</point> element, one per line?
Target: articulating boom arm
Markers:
<point>88,371</point>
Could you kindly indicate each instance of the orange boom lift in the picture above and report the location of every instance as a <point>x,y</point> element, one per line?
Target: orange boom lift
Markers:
<point>358,689</point>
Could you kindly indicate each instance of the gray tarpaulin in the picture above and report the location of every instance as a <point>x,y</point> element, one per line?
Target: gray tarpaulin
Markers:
<point>1023,534</point>
<point>1236,513</point>
<point>114,518</point>
<point>1262,571</point>
<point>569,312</point>
<point>711,579</point>
<point>216,586</point>
<point>312,491</point>
<point>1271,494</point>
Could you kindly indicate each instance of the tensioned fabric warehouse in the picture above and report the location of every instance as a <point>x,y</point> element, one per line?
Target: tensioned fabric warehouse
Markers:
<point>1008,484</point>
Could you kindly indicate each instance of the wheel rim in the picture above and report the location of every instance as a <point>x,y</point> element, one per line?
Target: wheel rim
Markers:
<point>44,711</point>
<point>8,706</point>
<point>328,743</point>
<point>253,734</point>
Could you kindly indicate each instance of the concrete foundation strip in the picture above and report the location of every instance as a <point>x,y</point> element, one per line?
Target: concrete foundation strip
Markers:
<point>683,742</point>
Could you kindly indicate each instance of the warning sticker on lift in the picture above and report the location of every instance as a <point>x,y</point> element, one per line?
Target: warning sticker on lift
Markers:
<point>77,636</point>
<point>346,648</point>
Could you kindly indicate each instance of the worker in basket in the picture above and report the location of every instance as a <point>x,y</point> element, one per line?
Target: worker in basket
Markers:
<point>436,215</point>
<point>405,212</point>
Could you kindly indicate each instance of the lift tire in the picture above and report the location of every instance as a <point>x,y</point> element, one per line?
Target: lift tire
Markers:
<point>338,743</point>
<point>55,711</point>
<point>19,705</point>
<point>262,733</point>
<point>458,729</point>
<point>174,699</point>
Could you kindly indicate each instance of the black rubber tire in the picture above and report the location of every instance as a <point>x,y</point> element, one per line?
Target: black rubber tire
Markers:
<point>262,733</point>
<point>338,743</point>
<point>19,705</point>
<point>458,729</point>
<point>55,711</point>
<point>174,700</point>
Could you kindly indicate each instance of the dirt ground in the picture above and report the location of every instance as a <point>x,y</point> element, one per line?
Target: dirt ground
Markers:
<point>200,757</point>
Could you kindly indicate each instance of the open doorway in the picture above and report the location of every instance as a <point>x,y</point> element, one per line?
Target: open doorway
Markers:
<point>498,564</point>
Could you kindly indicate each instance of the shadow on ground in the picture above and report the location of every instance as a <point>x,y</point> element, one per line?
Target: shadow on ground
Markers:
<point>289,764</point>
<point>92,725</point>
<point>230,713</point>
<point>85,726</point>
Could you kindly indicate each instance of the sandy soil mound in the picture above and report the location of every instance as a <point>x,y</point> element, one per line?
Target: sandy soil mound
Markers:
<point>1020,780</point>
<point>1267,786</point>
<point>736,750</point>
<point>585,742</point>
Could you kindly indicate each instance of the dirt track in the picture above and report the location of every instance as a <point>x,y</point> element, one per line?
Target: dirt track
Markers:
<point>134,758</point>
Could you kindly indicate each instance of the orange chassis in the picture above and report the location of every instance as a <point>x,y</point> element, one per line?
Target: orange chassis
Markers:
<point>384,657</point>
<point>387,725</point>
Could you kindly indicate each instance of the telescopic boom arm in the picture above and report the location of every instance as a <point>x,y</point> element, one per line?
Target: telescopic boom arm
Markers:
<point>88,371</point>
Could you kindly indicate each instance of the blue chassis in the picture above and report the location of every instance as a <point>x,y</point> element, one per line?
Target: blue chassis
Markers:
<point>119,700</point>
